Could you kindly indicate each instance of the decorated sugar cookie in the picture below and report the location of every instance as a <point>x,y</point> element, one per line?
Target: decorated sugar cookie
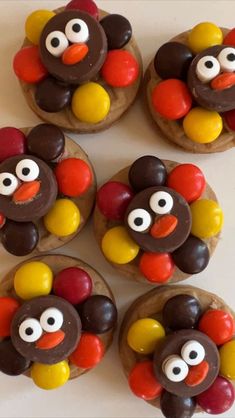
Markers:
<point>181,363</point>
<point>190,88</point>
<point>158,221</point>
<point>58,325</point>
<point>47,189</point>
<point>79,67</point>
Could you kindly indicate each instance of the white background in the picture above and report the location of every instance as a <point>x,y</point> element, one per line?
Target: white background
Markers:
<point>104,391</point>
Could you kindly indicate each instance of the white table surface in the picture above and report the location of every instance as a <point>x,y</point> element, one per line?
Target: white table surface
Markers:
<point>104,391</point>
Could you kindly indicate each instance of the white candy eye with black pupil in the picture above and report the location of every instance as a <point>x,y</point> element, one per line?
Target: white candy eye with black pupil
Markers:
<point>226,59</point>
<point>51,320</point>
<point>139,220</point>
<point>56,43</point>
<point>30,330</point>
<point>161,202</point>
<point>8,184</point>
<point>175,369</point>
<point>207,68</point>
<point>77,31</point>
<point>193,352</point>
<point>27,170</point>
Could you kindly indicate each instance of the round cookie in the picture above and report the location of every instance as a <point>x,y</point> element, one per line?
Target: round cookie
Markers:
<point>75,54</point>
<point>201,81</point>
<point>185,366</point>
<point>156,221</point>
<point>45,333</point>
<point>47,189</point>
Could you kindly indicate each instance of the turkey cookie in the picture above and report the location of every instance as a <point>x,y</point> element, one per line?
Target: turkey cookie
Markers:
<point>190,89</point>
<point>181,363</point>
<point>158,221</point>
<point>79,68</point>
<point>58,326</point>
<point>47,189</point>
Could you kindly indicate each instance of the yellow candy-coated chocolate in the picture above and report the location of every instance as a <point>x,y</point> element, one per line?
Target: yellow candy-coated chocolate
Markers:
<point>144,334</point>
<point>33,279</point>
<point>202,125</point>
<point>207,218</point>
<point>63,218</point>
<point>118,247</point>
<point>52,376</point>
<point>227,360</point>
<point>203,36</point>
<point>35,24</point>
<point>90,103</point>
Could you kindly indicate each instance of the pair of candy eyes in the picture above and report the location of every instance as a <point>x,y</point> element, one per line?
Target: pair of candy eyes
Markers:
<point>76,32</point>
<point>139,220</point>
<point>26,170</point>
<point>31,329</point>
<point>209,67</point>
<point>176,368</point>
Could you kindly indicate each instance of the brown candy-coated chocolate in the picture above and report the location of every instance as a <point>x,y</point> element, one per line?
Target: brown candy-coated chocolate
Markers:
<point>11,361</point>
<point>98,314</point>
<point>86,69</point>
<point>19,238</point>
<point>71,327</point>
<point>181,312</point>
<point>203,93</point>
<point>173,406</point>
<point>117,29</point>
<point>193,256</point>
<point>172,60</point>
<point>147,171</point>
<point>52,96</point>
<point>46,141</point>
<point>171,345</point>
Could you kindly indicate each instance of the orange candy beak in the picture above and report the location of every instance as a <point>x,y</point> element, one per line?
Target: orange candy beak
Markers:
<point>197,374</point>
<point>50,340</point>
<point>223,81</point>
<point>26,192</point>
<point>74,54</point>
<point>164,226</point>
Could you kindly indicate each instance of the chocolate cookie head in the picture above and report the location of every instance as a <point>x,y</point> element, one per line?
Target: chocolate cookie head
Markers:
<point>28,188</point>
<point>46,329</point>
<point>186,363</point>
<point>73,46</point>
<point>211,78</point>
<point>158,219</point>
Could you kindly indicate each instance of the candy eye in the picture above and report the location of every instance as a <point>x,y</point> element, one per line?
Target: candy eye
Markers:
<point>175,368</point>
<point>8,184</point>
<point>51,320</point>
<point>207,68</point>
<point>161,202</point>
<point>27,170</point>
<point>30,330</point>
<point>193,353</point>
<point>227,59</point>
<point>139,220</point>
<point>77,31</point>
<point>56,43</point>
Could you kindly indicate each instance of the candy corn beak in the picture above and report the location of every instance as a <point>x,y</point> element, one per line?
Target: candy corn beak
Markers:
<point>74,54</point>
<point>164,226</point>
<point>223,81</point>
<point>197,374</point>
<point>26,192</point>
<point>50,340</point>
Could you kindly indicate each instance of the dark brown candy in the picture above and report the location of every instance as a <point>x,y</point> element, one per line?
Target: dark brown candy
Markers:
<point>46,329</point>
<point>52,96</point>
<point>172,60</point>
<point>181,312</point>
<point>12,362</point>
<point>193,256</point>
<point>46,142</point>
<point>147,171</point>
<point>98,314</point>
<point>19,238</point>
<point>173,406</point>
<point>117,29</point>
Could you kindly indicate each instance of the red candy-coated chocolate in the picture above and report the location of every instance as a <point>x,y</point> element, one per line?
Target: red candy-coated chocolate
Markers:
<point>218,325</point>
<point>73,284</point>
<point>172,99</point>
<point>89,351</point>
<point>2,220</point>
<point>120,69</point>
<point>188,180</point>
<point>28,66</point>
<point>12,142</point>
<point>85,5</point>
<point>218,398</point>
<point>8,308</point>
<point>73,176</point>
<point>230,38</point>
<point>230,119</point>
<point>156,267</point>
<point>113,198</point>
<point>143,382</point>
